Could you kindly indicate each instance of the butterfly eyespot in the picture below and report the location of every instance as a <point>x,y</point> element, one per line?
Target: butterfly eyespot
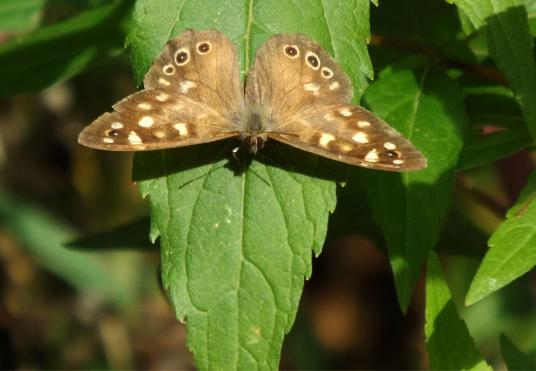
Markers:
<point>326,73</point>
<point>203,47</point>
<point>292,51</point>
<point>312,60</point>
<point>169,69</point>
<point>182,56</point>
<point>112,133</point>
<point>392,154</point>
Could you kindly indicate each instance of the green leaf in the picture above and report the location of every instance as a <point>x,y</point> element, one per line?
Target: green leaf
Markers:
<point>19,15</point>
<point>237,244</point>
<point>450,346</point>
<point>512,247</point>
<point>426,107</point>
<point>58,52</point>
<point>505,25</point>
<point>514,358</point>
<point>496,130</point>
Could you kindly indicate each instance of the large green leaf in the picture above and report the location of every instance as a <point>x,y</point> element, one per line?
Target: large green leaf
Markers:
<point>58,52</point>
<point>450,346</point>
<point>505,25</point>
<point>512,250</point>
<point>237,243</point>
<point>19,15</point>
<point>426,107</point>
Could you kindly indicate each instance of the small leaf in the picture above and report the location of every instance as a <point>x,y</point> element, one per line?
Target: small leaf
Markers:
<point>426,108</point>
<point>512,247</point>
<point>514,358</point>
<point>505,25</point>
<point>20,15</point>
<point>58,52</point>
<point>497,129</point>
<point>450,346</point>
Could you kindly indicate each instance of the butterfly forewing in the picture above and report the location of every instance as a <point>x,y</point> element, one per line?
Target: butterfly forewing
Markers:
<point>307,99</point>
<point>192,96</point>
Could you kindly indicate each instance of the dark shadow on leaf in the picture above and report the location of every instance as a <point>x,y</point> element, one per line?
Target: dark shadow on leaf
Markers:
<point>133,236</point>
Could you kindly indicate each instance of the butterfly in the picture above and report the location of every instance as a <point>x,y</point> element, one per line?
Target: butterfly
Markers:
<point>295,93</point>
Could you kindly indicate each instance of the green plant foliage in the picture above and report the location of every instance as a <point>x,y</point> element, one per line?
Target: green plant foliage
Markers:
<point>512,250</point>
<point>514,358</point>
<point>505,25</point>
<point>58,52</point>
<point>19,15</point>
<point>411,206</point>
<point>450,346</point>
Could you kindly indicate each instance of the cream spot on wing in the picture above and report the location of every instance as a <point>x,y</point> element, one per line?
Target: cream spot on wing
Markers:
<point>133,138</point>
<point>146,122</point>
<point>389,145</point>
<point>345,112</point>
<point>372,156</point>
<point>363,124</point>
<point>181,128</point>
<point>186,85</point>
<point>108,140</point>
<point>159,134</point>
<point>398,162</point>
<point>360,137</point>
<point>163,81</point>
<point>145,106</point>
<point>161,97</point>
<point>325,139</point>
<point>334,85</point>
<point>346,147</point>
<point>116,125</point>
<point>312,87</point>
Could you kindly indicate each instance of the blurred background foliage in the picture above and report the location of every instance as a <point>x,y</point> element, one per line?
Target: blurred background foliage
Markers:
<point>79,280</point>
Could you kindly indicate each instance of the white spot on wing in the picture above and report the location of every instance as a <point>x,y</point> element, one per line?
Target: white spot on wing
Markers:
<point>108,140</point>
<point>389,145</point>
<point>146,122</point>
<point>186,85</point>
<point>161,97</point>
<point>116,125</point>
<point>163,81</point>
<point>334,85</point>
<point>181,128</point>
<point>144,106</point>
<point>312,87</point>
<point>360,137</point>
<point>363,124</point>
<point>372,156</point>
<point>133,138</point>
<point>398,162</point>
<point>345,112</point>
<point>325,139</point>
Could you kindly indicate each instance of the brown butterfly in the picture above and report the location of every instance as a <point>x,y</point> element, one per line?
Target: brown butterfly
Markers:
<point>295,93</point>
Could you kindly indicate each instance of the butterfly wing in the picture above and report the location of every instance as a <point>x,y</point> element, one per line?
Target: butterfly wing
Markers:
<point>306,97</point>
<point>192,95</point>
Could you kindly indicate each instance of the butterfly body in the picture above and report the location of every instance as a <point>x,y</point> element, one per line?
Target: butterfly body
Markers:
<point>295,93</point>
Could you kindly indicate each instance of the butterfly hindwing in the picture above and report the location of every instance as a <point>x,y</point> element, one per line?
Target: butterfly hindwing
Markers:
<point>350,134</point>
<point>152,119</point>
